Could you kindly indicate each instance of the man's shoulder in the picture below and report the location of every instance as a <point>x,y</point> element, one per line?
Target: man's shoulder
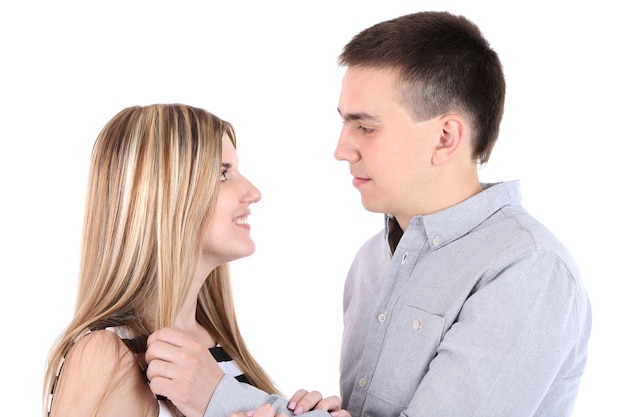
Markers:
<point>517,224</point>
<point>375,242</point>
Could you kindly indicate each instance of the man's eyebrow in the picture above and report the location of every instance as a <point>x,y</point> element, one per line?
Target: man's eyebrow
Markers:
<point>359,116</point>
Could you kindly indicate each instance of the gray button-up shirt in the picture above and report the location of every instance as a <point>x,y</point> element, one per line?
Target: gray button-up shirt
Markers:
<point>476,310</point>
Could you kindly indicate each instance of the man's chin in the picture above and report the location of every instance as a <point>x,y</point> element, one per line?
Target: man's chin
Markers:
<point>371,206</point>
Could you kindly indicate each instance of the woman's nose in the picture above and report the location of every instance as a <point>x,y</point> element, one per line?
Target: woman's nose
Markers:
<point>252,195</point>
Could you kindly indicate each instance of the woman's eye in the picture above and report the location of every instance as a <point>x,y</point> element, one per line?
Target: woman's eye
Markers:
<point>223,176</point>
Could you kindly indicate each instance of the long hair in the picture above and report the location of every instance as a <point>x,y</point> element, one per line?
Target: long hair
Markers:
<point>152,189</point>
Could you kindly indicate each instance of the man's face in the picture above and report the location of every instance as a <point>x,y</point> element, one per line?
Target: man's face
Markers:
<point>390,154</point>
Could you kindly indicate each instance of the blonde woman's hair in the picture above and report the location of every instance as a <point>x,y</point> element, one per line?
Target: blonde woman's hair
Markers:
<point>153,185</point>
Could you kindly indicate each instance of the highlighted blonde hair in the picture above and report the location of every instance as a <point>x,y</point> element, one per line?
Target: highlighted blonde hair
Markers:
<point>153,186</point>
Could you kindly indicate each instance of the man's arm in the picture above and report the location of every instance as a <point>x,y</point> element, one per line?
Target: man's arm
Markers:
<point>517,348</point>
<point>182,370</point>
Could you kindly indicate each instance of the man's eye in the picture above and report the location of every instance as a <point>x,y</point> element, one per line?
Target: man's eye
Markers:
<point>366,130</point>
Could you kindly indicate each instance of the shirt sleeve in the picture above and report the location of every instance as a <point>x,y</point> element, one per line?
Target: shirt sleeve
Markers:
<point>232,395</point>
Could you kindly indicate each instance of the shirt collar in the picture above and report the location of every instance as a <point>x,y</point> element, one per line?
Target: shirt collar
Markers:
<point>449,224</point>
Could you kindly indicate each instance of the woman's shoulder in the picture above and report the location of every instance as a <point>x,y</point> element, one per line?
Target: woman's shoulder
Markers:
<point>100,352</point>
<point>101,373</point>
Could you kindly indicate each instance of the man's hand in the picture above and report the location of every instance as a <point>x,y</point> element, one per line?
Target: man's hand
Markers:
<point>182,370</point>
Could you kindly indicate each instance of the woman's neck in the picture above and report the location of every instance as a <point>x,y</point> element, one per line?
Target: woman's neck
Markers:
<point>186,318</point>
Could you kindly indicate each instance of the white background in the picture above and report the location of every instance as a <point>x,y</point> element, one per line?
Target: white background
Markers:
<point>270,68</point>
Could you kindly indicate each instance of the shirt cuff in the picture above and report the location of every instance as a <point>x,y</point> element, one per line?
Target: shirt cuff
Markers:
<point>232,395</point>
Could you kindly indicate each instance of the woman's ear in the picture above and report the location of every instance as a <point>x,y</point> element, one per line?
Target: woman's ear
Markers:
<point>452,136</point>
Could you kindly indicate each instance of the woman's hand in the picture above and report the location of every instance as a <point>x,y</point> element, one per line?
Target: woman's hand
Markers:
<point>303,401</point>
<point>266,410</point>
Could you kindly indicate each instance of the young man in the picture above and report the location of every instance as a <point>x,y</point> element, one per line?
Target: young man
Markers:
<point>464,305</point>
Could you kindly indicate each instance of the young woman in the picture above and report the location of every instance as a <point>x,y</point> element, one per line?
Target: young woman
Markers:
<point>167,209</point>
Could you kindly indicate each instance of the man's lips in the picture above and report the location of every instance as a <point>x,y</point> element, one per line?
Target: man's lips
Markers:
<point>358,181</point>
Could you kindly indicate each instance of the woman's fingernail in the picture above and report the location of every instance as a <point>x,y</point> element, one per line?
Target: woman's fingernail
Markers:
<point>298,410</point>
<point>291,405</point>
<point>250,413</point>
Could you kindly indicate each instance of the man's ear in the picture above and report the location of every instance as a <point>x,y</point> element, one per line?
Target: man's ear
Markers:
<point>452,135</point>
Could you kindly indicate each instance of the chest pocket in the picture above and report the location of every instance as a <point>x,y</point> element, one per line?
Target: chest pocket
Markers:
<point>410,343</point>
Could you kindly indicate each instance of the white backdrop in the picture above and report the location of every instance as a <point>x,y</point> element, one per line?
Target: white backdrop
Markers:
<point>270,68</point>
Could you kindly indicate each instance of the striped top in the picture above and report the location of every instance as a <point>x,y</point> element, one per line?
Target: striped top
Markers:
<point>226,363</point>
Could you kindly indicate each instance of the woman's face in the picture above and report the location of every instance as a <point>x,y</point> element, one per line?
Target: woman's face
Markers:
<point>227,236</point>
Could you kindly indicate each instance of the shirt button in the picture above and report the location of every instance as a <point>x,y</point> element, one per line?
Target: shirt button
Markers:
<point>416,325</point>
<point>406,255</point>
<point>362,382</point>
<point>382,317</point>
<point>436,241</point>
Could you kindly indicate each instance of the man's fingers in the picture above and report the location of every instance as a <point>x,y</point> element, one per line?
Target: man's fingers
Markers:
<point>171,345</point>
<point>160,350</point>
<point>169,335</point>
<point>159,385</point>
<point>159,369</point>
<point>180,368</point>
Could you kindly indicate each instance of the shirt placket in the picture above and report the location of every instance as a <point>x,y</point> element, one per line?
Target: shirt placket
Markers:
<point>396,275</point>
